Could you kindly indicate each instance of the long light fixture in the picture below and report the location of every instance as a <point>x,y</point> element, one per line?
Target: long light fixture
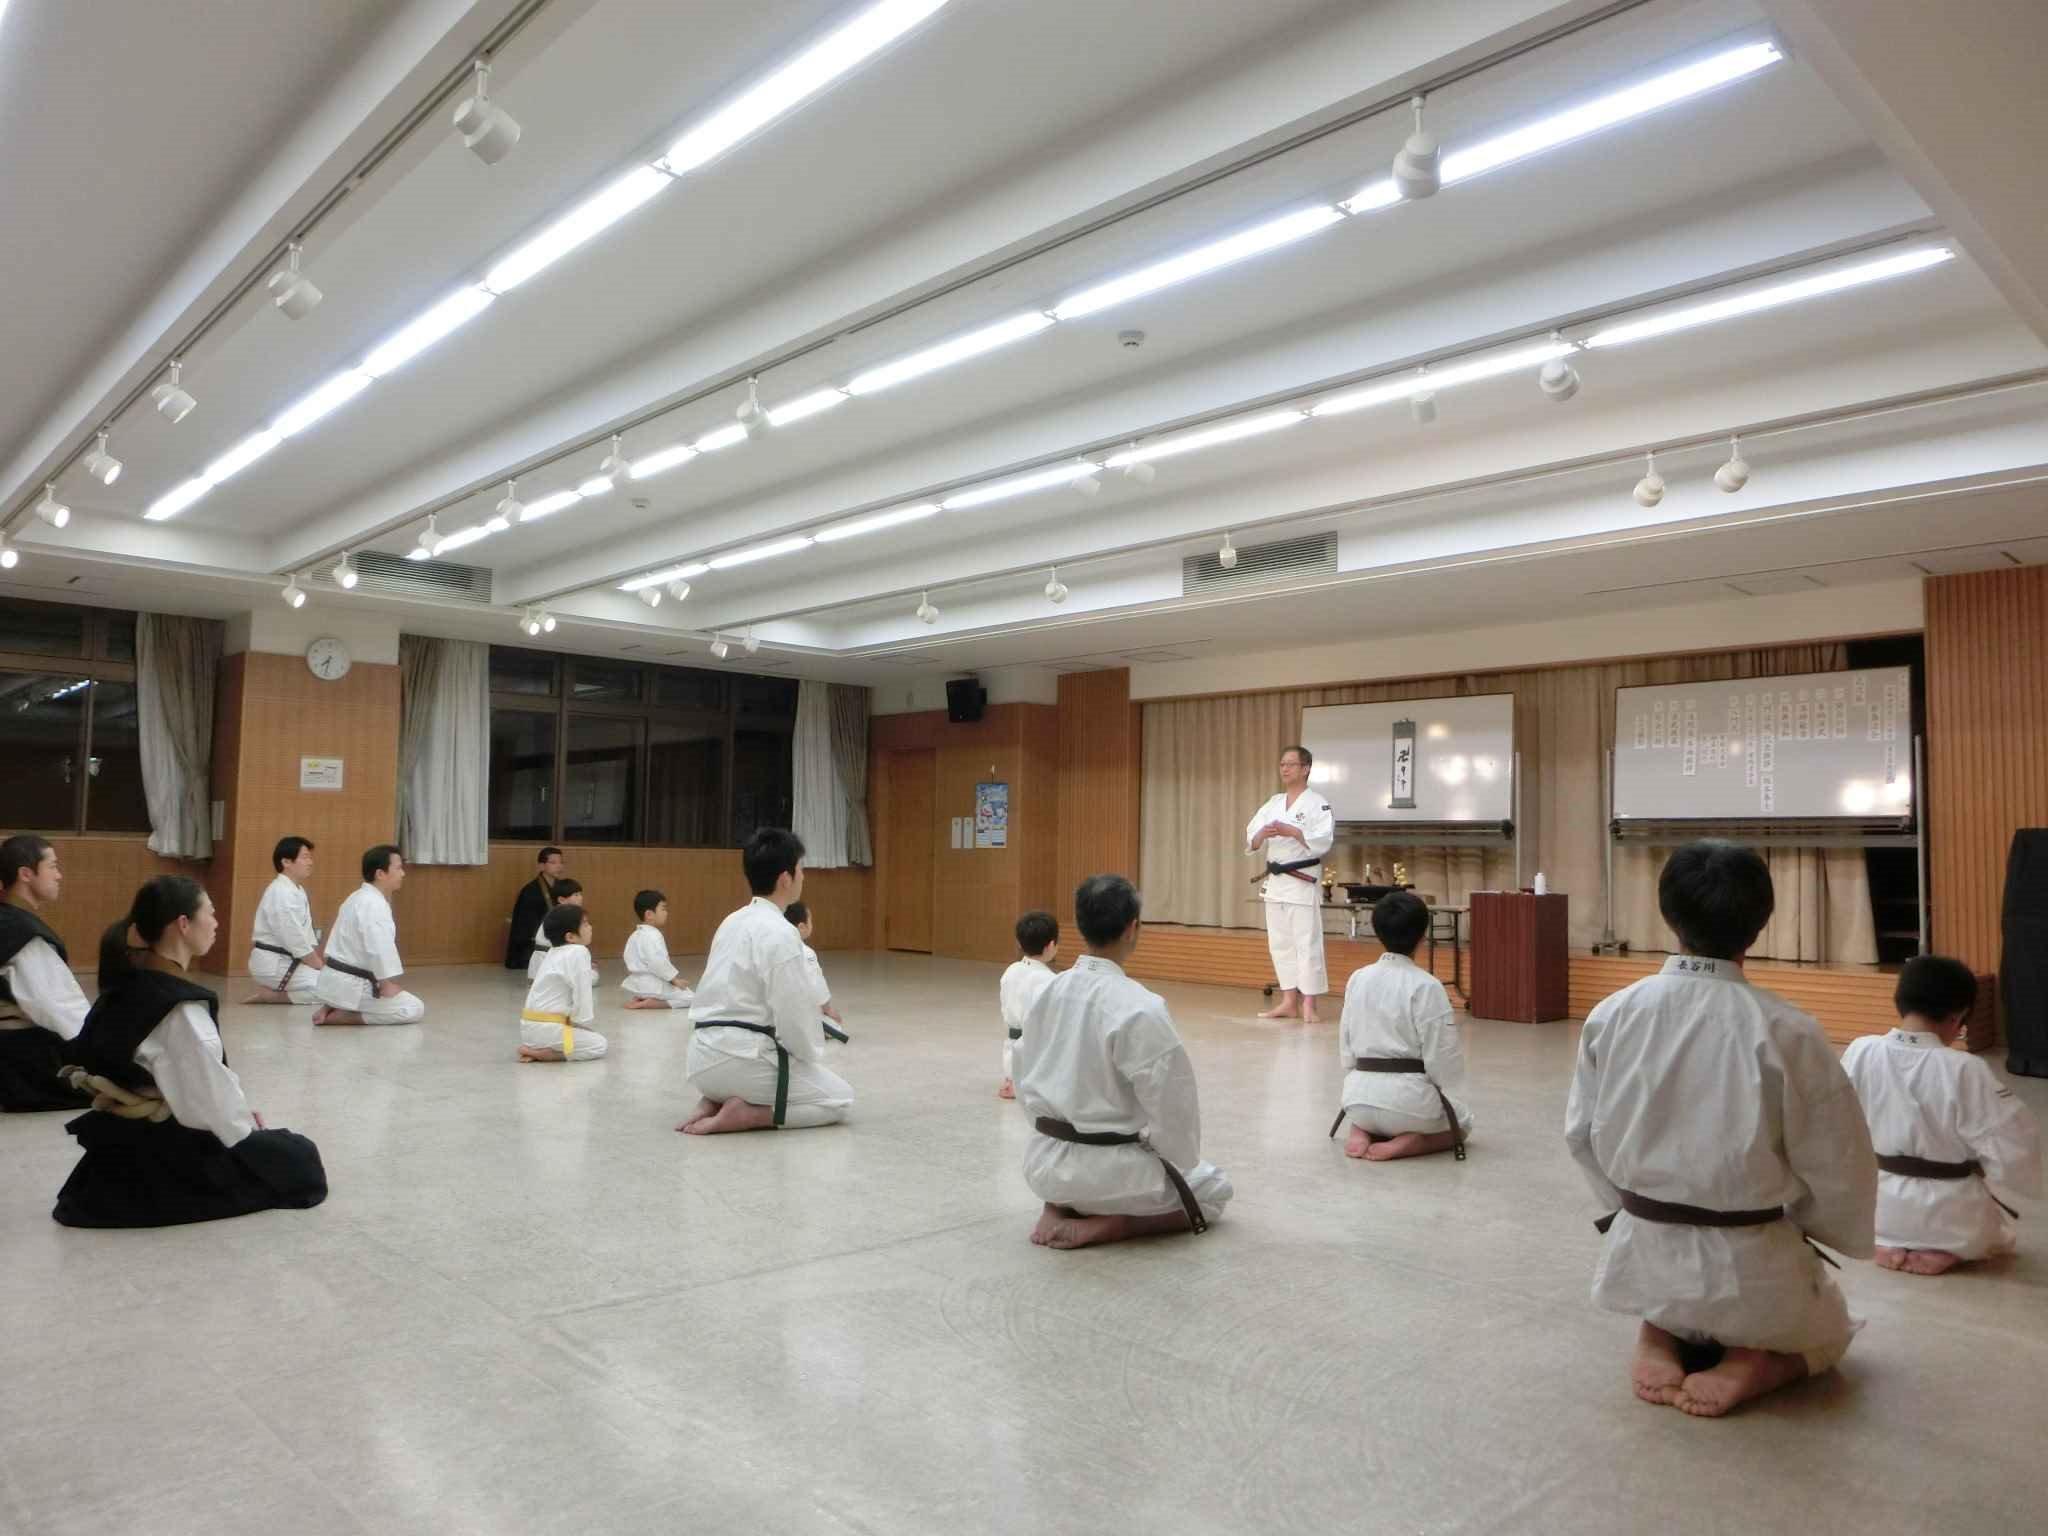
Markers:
<point>768,551</point>
<point>461,538</point>
<point>1020,485</point>
<point>812,404</point>
<point>796,82</point>
<point>660,578</point>
<point>547,505</point>
<point>589,218</point>
<point>596,485</point>
<point>875,523</point>
<point>1771,296</point>
<point>177,499</point>
<point>946,353</point>
<point>650,465</point>
<point>1408,384</point>
<point>721,437</point>
<point>446,317</point>
<point>1247,243</point>
<point>241,456</point>
<point>1209,437</point>
<point>328,398</point>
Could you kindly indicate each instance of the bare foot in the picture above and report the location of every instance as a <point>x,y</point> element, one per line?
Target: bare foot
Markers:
<point>1889,1258</point>
<point>337,1016</point>
<point>541,1053</point>
<point>268,996</point>
<point>1048,1219</point>
<point>1308,1014</point>
<point>1741,1375</point>
<point>1007,1091</point>
<point>1412,1144</point>
<point>1279,1011</point>
<point>1930,1261</point>
<point>1085,1231</point>
<point>646,1002</point>
<point>1358,1143</point>
<point>705,1109</point>
<point>1655,1372</point>
<point>733,1115</point>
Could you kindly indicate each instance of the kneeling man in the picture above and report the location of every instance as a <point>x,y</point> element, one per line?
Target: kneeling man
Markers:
<point>359,983</point>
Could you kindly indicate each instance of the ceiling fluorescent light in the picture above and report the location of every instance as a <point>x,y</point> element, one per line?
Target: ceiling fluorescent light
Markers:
<point>795,82</point>
<point>241,456</point>
<point>721,437</point>
<point>1268,236</point>
<point>946,353</point>
<point>739,557</point>
<point>331,396</point>
<point>592,216</point>
<point>596,485</point>
<point>1770,297</point>
<point>1587,118</point>
<point>177,499</point>
<point>1401,388</point>
<point>458,309</point>
<point>462,536</point>
<point>1190,442</point>
<point>662,458</point>
<point>1003,490</point>
<point>657,578</point>
<point>547,504</point>
<point>854,528</point>
<point>805,405</point>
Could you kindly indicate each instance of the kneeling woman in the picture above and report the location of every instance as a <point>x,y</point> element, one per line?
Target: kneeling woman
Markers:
<point>170,1139</point>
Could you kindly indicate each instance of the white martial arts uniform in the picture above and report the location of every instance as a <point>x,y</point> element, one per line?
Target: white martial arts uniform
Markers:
<point>1294,914</point>
<point>541,946</point>
<point>563,988</point>
<point>1694,1087</point>
<point>1021,987</point>
<point>649,971</point>
<point>46,994</point>
<point>183,1054</point>
<point>1922,1099</point>
<point>1100,1052</point>
<point>1394,1007</point>
<point>756,975</point>
<point>365,935</point>
<point>284,918</point>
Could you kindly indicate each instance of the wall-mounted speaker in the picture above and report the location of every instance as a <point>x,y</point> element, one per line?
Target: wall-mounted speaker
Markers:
<point>965,700</point>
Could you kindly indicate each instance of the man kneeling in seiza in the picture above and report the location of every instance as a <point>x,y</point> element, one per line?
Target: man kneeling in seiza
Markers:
<point>1111,1093</point>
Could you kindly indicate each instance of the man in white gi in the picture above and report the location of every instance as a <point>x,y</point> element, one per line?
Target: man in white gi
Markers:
<point>1399,1043</point>
<point>1109,1089</point>
<point>359,983</point>
<point>41,1006</point>
<point>1294,830</point>
<point>1943,1125</point>
<point>1714,1116</point>
<point>1038,946</point>
<point>756,1054</point>
<point>285,957</point>
<point>650,974</point>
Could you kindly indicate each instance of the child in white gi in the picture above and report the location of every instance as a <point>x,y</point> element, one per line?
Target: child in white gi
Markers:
<point>559,998</point>
<point>1038,945</point>
<point>1399,1041</point>
<point>829,1018</point>
<point>564,893</point>
<point>650,974</point>
<point>1943,1125</point>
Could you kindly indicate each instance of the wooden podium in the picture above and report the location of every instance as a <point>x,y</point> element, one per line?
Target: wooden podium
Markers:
<point>1520,957</point>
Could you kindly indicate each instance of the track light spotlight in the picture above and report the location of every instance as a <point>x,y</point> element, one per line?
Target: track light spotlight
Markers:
<point>345,573</point>
<point>488,131</point>
<point>172,398</point>
<point>1089,484</point>
<point>1649,489</point>
<point>1734,475</point>
<point>294,595</point>
<point>651,596</point>
<point>10,557</point>
<point>509,510</point>
<point>50,509</point>
<point>719,647</point>
<point>1418,167</point>
<point>1558,379</point>
<point>547,621</point>
<point>1422,404</point>
<point>926,613</point>
<point>679,589</point>
<point>423,547</point>
<point>295,294</point>
<point>102,465</point>
<point>1055,589</point>
<point>529,623</point>
<point>1227,555</point>
<point>750,415</point>
<point>752,643</point>
<point>1141,470</point>
<point>613,466</point>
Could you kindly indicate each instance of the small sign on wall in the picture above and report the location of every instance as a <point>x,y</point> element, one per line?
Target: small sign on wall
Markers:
<point>320,773</point>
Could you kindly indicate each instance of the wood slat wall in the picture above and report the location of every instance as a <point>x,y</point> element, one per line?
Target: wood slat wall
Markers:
<point>100,877</point>
<point>1987,745</point>
<point>1098,781</point>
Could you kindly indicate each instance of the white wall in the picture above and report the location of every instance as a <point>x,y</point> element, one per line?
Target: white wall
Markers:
<point>1005,685</point>
<point>370,636</point>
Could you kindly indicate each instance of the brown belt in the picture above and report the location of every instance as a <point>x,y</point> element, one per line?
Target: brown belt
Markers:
<point>1928,1168</point>
<point>1060,1130</point>
<point>1410,1066</point>
<point>1669,1213</point>
<point>292,962</point>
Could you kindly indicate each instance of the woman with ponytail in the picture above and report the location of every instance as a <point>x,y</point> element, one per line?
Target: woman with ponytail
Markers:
<point>170,1138</point>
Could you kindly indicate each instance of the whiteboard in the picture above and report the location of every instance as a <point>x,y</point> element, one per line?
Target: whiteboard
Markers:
<point>1818,746</point>
<point>1460,758</point>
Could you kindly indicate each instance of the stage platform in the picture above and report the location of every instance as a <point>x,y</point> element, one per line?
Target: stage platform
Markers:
<point>1848,1000</point>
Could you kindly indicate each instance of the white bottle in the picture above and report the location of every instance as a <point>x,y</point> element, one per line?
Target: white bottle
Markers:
<point>1542,885</point>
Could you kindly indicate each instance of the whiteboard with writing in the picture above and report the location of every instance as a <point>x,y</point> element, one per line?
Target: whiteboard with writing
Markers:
<point>1818,746</point>
<point>1419,760</point>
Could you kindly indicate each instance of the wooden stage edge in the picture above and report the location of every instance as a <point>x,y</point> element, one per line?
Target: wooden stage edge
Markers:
<point>1848,1000</point>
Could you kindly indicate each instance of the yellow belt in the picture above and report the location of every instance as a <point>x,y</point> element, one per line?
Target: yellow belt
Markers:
<point>568,1034</point>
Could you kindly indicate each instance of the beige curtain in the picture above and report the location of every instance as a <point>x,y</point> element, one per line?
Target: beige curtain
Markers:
<point>177,667</point>
<point>1208,763</point>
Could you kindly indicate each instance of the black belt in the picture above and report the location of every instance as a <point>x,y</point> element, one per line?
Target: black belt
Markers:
<point>833,1031</point>
<point>781,1061</point>
<point>353,970</point>
<point>1017,1034</point>
<point>1060,1130</point>
<point>1928,1168</point>
<point>1293,869</point>
<point>285,981</point>
<point>1643,1208</point>
<point>1409,1065</point>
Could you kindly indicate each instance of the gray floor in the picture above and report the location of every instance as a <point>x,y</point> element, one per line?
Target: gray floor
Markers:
<point>529,1306</point>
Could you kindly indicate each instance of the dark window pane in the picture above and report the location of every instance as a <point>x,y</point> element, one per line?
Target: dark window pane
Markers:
<point>604,682</point>
<point>114,801</point>
<point>601,801</point>
<point>42,629</point>
<point>42,734</point>
<point>685,784</point>
<point>690,688</point>
<point>767,696</point>
<point>762,786</point>
<point>516,671</point>
<point>119,643</point>
<point>522,775</point>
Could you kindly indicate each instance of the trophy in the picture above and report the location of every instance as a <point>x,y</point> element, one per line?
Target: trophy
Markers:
<point>1400,877</point>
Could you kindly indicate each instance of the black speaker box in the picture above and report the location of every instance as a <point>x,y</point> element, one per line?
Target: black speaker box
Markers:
<point>965,700</point>
<point>2023,968</point>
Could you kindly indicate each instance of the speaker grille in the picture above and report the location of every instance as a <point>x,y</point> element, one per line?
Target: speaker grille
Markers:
<point>1261,565</point>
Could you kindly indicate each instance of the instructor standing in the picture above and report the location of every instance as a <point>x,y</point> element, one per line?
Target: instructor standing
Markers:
<point>1294,830</point>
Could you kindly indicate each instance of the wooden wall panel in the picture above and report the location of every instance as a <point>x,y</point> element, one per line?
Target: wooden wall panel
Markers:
<point>1987,745</point>
<point>1098,780</point>
<point>905,828</point>
<point>100,877</point>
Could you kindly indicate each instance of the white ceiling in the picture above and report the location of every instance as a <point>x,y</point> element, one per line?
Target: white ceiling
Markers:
<point>996,159</point>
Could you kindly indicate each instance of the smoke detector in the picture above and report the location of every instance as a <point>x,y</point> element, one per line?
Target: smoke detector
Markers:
<point>1130,341</point>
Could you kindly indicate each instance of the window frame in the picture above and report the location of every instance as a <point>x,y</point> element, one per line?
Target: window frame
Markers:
<point>90,662</point>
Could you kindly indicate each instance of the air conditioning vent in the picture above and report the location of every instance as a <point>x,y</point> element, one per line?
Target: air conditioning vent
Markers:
<point>380,571</point>
<point>1261,565</point>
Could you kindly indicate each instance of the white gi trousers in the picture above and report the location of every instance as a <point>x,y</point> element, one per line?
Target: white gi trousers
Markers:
<point>1294,935</point>
<point>816,1096</point>
<point>352,994</point>
<point>572,1040</point>
<point>268,969</point>
<point>638,985</point>
<point>1118,1181</point>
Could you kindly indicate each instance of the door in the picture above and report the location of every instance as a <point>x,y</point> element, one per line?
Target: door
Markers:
<point>911,780</point>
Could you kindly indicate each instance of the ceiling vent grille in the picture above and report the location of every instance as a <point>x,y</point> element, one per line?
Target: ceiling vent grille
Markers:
<point>395,576</point>
<point>1261,565</point>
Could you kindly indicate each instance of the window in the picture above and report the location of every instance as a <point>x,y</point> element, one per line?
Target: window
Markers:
<point>114,801</point>
<point>595,751</point>
<point>70,750</point>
